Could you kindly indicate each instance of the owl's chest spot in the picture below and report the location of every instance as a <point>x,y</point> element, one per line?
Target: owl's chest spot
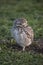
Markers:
<point>19,34</point>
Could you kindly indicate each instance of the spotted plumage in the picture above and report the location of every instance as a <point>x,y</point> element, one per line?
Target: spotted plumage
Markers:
<point>22,33</point>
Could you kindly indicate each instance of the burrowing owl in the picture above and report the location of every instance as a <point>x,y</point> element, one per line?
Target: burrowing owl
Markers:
<point>22,33</point>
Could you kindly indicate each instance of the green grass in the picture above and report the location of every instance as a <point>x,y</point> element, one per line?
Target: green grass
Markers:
<point>32,10</point>
<point>12,57</point>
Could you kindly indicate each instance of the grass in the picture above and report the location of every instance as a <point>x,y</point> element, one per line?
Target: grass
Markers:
<point>32,10</point>
<point>12,57</point>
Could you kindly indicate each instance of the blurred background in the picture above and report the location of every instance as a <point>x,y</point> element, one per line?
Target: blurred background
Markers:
<point>32,10</point>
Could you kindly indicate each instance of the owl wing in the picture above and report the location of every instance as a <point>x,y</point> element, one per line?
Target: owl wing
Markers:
<point>29,32</point>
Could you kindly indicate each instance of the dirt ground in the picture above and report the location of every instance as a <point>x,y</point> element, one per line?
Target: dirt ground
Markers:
<point>36,46</point>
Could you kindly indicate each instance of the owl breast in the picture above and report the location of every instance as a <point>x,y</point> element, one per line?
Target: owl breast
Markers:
<point>21,38</point>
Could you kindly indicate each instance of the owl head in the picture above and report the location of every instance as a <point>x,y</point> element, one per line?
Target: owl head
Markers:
<point>20,22</point>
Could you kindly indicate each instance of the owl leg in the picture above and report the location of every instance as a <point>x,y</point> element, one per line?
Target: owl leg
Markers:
<point>23,48</point>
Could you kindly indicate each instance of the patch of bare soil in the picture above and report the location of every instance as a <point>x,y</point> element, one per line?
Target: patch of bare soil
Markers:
<point>36,46</point>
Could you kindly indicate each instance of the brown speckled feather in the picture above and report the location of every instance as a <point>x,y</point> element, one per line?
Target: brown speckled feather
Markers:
<point>22,33</point>
<point>29,31</point>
